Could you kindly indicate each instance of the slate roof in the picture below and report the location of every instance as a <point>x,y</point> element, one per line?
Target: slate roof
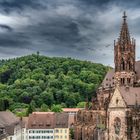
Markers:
<point>131,95</point>
<point>109,78</point>
<point>8,121</point>
<point>7,118</point>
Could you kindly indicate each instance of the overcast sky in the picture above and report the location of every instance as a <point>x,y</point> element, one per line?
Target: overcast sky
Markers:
<point>81,29</point>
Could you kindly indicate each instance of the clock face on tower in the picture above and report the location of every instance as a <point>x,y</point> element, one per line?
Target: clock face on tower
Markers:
<point>117,125</point>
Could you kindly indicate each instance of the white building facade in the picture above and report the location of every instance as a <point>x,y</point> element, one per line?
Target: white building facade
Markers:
<point>41,134</point>
<point>47,126</point>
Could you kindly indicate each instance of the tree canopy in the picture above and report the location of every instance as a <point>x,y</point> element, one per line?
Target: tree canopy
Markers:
<point>44,82</point>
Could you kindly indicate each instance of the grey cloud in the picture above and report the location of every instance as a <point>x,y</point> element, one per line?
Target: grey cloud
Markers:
<point>76,28</point>
<point>13,40</point>
<point>6,27</point>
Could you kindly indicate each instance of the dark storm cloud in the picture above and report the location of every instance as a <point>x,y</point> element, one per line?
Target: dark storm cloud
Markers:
<point>12,5</point>
<point>83,29</point>
<point>15,40</point>
<point>5,27</point>
<point>96,2</point>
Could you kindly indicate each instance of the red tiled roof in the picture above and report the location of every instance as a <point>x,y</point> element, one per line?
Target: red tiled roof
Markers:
<point>71,109</point>
<point>61,120</point>
<point>42,112</point>
<point>47,120</point>
<point>41,120</point>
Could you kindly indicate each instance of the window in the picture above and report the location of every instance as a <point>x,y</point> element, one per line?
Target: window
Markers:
<point>128,80</point>
<point>122,65</point>
<point>117,100</point>
<point>117,125</point>
<point>57,136</point>
<point>122,81</point>
<point>57,131</point>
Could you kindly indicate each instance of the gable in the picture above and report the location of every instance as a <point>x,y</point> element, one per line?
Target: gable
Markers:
<point>117,100</point>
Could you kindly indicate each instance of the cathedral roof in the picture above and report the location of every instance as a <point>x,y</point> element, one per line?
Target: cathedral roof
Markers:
<point>131,95</point>
<point>109,78</point>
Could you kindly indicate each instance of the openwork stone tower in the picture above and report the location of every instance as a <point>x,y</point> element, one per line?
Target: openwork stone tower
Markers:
<point>124,57</point>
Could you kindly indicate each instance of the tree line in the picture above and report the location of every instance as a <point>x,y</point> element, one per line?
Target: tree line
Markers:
<point>46,81</point>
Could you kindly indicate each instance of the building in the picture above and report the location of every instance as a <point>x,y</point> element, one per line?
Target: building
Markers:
<point>89,125</point>
<point>118,97</point>
<point>48,126</point>
<point>61,130</point>
<point>24,126</point>
<point>72,112</point>
<point>10,126</point>
<point>41,126</point>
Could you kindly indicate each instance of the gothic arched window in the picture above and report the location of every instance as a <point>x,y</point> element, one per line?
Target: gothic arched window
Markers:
<point>129,65</point>
<point>117,125</point>
<point>122,65</point>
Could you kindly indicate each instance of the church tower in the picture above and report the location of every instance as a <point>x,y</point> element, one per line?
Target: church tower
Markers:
<point>124,57</point>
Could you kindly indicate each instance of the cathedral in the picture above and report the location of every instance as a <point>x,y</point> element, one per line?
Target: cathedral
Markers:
<point>115,113</point>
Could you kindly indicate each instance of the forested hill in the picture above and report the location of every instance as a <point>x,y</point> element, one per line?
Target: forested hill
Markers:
<point>47,80</point>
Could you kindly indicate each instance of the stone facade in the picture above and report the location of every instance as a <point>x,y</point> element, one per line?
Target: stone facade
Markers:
<point>86,127</point>
<point>124,53</point>
<point>115,114</point>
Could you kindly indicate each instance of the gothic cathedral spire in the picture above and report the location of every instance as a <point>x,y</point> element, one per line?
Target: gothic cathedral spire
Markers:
<point>124,34</point>
<point>124,56</point>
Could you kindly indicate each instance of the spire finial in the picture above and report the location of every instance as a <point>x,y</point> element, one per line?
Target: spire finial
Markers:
<point>124,16</point>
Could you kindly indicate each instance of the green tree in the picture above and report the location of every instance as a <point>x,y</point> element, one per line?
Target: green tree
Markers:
<point>81,105</point>
<point>47,80</point>
<point>71,133</point>
<point>56,108</point>
<point>2,107</point>
<point>31,107</point>
<point>44,108</point>
<point>47,97</point>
